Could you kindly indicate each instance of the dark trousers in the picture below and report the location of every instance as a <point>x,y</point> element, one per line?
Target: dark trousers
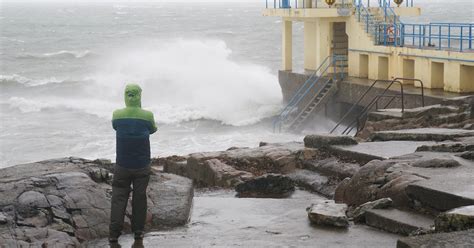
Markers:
<point>122,180</point>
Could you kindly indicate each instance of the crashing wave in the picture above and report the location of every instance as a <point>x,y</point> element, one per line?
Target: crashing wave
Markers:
<point>59,54</point>
<point>18,79</point>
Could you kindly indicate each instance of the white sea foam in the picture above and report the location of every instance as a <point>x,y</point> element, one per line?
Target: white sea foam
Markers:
<point>182,80</point>
<point>15,78</point>
<point>192,79</point>
<point>62,53</point>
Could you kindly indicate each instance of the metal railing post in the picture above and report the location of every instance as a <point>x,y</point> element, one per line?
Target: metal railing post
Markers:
<point>439,37</point>
<point>460,41</point>
<point>449,35</point>
<point>470,36</point>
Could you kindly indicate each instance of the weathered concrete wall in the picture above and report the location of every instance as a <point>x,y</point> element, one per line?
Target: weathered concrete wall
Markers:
<point>351,89</point>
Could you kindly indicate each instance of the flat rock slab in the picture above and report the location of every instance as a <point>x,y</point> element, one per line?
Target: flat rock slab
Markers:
<point>457,219</point>
<point>387,149</point>
<point>444,191</point>
<point>313,181</point>
<point>460,239</point>
<point>225,221</point>
<point>322,141</point>
<point>398,221</point>
<point>422,134</point>
<point>65,201</point>
<point>328,213</point>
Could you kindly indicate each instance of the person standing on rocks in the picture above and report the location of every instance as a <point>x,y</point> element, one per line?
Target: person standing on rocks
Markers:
<point>133,127</point>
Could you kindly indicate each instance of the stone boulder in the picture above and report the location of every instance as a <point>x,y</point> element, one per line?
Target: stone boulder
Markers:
<point>324,141</point>
<point>233,166</point>
<point>328,213</point>
<point>314,182</point>
<point>58,203</point>
<point>358,214</point>
<point>266,186</point>
<point>457,219</point>
<point>378,179</point>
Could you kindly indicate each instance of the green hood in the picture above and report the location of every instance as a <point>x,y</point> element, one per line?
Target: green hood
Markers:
<point>133,96</point>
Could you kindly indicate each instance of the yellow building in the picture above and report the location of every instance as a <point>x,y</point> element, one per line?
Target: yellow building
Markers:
<point>375,44</point>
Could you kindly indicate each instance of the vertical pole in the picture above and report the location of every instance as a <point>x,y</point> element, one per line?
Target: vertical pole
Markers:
<point>420,32</point>
<point>367,22</point>
<point>385,34</point>
<point>413,34</point>
<point>395,33</point>
<point>460,42</point>
<point>470,35</point>
<point>429,36</point>
<point>266,4</point>
<point>440,37</point>
<point>424,35</point>
<point>449,35</point>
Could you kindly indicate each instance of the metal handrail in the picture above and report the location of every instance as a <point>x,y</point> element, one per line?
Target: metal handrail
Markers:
<point>305,89</point>
<point>370,105</point>
<point>358,102</point>
<point>422,87</point>
<point>298,96</point>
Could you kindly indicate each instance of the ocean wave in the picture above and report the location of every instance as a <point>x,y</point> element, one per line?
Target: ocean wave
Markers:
<point>18,79</point>
<point>58,54</point>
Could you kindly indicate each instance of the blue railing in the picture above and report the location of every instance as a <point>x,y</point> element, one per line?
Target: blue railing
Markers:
<point>307,86</point>
<point>298,4</point>
<point>393,32</point>
<point>440,36</point>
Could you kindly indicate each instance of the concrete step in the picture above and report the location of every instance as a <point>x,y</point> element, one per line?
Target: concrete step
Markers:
<point>398,221</point>
<point>453,190</point>
<point>460,239</point>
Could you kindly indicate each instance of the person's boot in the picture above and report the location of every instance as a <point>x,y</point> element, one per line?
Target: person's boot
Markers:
<point>138,240</point>
<point>113,243</point>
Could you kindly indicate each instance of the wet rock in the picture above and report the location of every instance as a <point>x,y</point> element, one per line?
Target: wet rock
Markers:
<point>267,186</point>
<point>457,219</point>
<point>328,213</point>
<point>422,134</point>
<point>323,141</point>
<point>100,175</point>
<point>39,219</point>
<point>452,240</point>
<point>33,199</point>
<point>54,199</point>
<point>3,219</point>
<point>313,181</point>
<point>209,173</point>
<point>467,155</point>
<point>436,163</point>
<point>332,167</point>
<point>358,214</point>
<point>447,147</point>
<point>378,179</point>
<point>204,168</point>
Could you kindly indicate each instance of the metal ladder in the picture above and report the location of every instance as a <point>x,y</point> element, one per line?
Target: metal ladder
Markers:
<point>315,90</point>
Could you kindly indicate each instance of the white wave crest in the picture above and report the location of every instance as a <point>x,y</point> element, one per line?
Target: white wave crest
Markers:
<point>15,78</point>
<point>186,80</point>
<point>59,54</point>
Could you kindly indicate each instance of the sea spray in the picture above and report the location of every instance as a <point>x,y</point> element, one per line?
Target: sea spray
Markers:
<point>192,79</point>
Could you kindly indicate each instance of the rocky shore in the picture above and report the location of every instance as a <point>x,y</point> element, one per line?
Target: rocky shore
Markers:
<point>397,175</point>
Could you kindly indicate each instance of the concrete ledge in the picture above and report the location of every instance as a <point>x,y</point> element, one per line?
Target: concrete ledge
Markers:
<point>453,240</point>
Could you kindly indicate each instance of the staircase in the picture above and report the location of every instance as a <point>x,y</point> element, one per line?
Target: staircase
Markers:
<point>340,46</point>
<point>380,24</point>
<point>329,89</point>
<point>312,95</point>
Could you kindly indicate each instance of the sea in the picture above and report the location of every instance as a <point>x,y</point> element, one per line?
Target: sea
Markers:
<point>208,72</point>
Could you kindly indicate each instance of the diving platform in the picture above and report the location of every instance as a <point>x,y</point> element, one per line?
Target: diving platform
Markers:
<point>369,41</point>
